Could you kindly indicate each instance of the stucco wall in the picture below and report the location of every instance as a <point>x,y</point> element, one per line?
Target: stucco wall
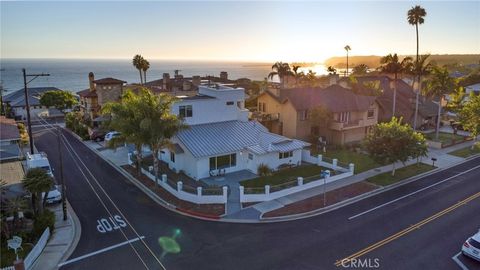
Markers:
<point>108,92</point>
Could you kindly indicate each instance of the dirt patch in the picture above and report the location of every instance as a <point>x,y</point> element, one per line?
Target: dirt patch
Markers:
<point>205,210</point>
<point>316,202</point>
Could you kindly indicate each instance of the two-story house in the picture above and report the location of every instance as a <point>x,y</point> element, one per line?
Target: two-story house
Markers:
<point>287,112</point>
<point>100,92</point>
<point>221,139</point>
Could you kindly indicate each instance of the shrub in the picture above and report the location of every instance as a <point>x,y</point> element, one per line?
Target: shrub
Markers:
<point>28,214</point>
<point>263,170</point>
<point>42,221</point>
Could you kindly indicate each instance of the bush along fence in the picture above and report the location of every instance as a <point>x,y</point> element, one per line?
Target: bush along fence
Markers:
<point>268,192</point>
<point>34,253</point>
<point>196,195</point>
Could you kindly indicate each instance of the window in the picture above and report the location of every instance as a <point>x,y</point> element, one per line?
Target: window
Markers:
<point>303,115</point>
<point>172,157</point>
<point>239,104</point>
<point>282,155</point>
<point>229,103</point>
<point>343,117</point>
<point>262,107</point>
<point>474,243</point>
<point>222,162</point>
<point>185,111</point>
<point>370,113</point>
<point>250,156</point>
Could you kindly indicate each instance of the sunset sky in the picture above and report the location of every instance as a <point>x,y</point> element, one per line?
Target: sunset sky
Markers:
<point>249,31</point>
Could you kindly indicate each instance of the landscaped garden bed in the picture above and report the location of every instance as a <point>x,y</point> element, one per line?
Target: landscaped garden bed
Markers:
<point>317,202</point>
<point>446,139</point>
<point>386,179</point>
<point>467,151</point>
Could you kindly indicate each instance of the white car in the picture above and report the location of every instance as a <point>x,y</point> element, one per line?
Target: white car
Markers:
<point>54,195</point>
<point>471,247</point>
<point>110,135</point>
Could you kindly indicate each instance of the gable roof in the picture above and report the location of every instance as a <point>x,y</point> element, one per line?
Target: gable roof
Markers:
<point>17,98</point>
<point>87,93</point>
<point>221,138</point>
<point>109,80</point>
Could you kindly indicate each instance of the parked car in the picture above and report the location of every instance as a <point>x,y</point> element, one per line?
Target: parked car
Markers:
<point>471,247</point>
<point>54,195</point>
<point>97,135</point>
<point>110,135</point>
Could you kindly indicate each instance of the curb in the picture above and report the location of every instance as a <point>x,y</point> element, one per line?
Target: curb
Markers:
<point>77,231</point>
<point>360,197</point>
<point>147,191</point>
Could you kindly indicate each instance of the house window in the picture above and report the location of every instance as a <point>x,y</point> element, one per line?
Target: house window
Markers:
<point>250,156</point>
<point>185,111</point>
<point>222,162</point>
<point>172,157</point>
<point>343,117</point>
<point>262,107</point>
<point>239,104</point>
<point>303,115</point>
<point>370,113</point>
<point>283,155</point>
<point>229,103</point>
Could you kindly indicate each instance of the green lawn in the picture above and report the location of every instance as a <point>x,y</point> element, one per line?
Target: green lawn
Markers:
<point>386,179</point>
<point>362,162</point>
<point>8,255</point>
<point>283,176</point>
<point>444,138</point>
<point>467,151</point>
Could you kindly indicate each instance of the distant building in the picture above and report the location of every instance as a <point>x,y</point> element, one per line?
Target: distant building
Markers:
<point>100,92</point>
<point>16,102</point>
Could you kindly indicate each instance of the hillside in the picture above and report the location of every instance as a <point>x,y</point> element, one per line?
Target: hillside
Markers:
<point>373,61</point>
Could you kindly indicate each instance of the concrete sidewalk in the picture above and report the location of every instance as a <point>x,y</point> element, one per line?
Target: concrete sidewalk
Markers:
<point>62,242</point>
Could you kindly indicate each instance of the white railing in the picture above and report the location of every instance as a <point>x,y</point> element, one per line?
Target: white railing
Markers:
<point>321,161</point>
<point>37,249</point>
<point>198,198</point>
<point>267,195</point>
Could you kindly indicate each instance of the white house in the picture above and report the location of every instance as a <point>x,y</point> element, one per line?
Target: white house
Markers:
<point>16,101</point>
<point>220,138</point>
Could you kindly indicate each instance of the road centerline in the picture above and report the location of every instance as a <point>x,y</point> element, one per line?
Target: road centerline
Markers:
<point>100,251</point>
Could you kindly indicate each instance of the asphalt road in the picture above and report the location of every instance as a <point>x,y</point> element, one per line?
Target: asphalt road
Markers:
<point>97,191</point>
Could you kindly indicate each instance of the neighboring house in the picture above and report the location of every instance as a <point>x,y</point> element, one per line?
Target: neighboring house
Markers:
<point>287,111</point>
<point>16,102</point>
<point>11,173</point>
<point>221,139</point>
<point>100,92</point>
<point>474,88</point>
<point>9,138</point>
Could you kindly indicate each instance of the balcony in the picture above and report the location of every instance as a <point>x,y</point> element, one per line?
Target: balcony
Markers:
<point>347,125</point>
<point>265,117</point>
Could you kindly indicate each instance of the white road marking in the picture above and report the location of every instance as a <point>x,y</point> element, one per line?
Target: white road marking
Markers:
<point>100,251</point>
<point>413,193</point>
<point>459,263</point>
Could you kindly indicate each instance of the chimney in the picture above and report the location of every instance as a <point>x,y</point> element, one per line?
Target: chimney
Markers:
<point>166,80</point>
<point>223,76</point>
<point>196,80</point>
<point>333,78</point>
<point>91,78</point>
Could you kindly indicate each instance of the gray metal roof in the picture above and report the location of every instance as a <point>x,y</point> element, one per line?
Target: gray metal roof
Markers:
<point>231,136</point>
<point>17,98</point>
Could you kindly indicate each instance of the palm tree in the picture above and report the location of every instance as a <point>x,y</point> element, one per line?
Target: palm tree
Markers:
<point>347,48</point>
<point>12,207</point>
<point>137,63</point>
<point>145,67</point>
<point>361,69</point>
<point>392,65</point>
<point>297,74</point>
<point>37,181</point>
<point>281,70</point>
<point>439,85</point>
<point>415,16</point>
<point>331,70</point>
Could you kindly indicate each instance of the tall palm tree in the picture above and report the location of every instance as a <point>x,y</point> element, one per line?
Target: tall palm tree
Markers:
<point>145,67</point>
<point>361,69</point>
<point>281,70</point>
<point>137,63</point>
<point>392,65</point>
<point>347,48</point>
<point>37,181</point>
<point>297,74</point>
<point>439,85</point>
<point>331,70</point>
<point>415,16</point>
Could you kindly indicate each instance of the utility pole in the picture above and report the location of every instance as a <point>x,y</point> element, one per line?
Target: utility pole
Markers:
<point>64,202</point>
<point>27,105</point>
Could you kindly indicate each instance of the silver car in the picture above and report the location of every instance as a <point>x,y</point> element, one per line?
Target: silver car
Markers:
<point>471,247</point>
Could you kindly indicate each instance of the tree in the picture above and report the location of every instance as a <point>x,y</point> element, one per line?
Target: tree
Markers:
<point>12,206</point>
<point>156,124</point>
<point>438,86</point>
<point>331,70</point>
<point>393,142</point>
<point>392,65</point>
<point>347,48</point>
<point>469,116</point>
<point>361,69</point>
<point>281,70</point>
<point>145,66</point>
<point>59,99</point>
<point>456,99</point>
<point>137,63</point>
<point>37,181</point>
<point>415,16</point>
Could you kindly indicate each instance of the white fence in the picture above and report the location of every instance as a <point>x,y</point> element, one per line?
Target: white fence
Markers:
<point>180,193</point>
<point>37,249</point>
<point>267,195</point>
<point>321,161</point>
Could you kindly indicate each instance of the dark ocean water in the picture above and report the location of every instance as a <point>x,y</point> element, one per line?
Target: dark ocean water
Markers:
<point>72,74</point>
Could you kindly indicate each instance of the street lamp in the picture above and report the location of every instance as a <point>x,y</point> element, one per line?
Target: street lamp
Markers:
<point>27,105</point>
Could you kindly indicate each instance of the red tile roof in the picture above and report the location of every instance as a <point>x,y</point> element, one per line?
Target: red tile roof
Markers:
<point>109,80</point>
<point>87,93</point>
